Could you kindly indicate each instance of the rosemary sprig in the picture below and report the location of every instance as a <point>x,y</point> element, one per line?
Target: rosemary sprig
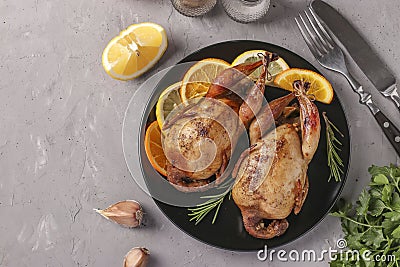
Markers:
<point>335,163</point>
<point>214,202</point>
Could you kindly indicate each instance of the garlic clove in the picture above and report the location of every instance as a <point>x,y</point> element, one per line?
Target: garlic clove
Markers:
<point>127,213</point>
<point>136,257</point>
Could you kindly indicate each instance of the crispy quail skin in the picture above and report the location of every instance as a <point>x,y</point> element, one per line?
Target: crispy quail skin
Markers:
<point>199,139</point>
<point>272,175</point>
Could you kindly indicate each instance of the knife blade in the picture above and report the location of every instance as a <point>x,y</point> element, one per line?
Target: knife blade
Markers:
<point>364,56</point>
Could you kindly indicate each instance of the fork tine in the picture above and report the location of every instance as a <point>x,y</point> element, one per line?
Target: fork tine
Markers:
<point>313,36</point>
<point>310,43</point>
<point>328,37</point>
<point>321,37</point>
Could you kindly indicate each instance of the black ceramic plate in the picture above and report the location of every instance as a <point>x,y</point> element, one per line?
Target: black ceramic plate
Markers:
<point>228,231</point>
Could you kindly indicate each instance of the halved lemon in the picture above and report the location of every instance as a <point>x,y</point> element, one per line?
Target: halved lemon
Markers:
<point>274,67</point>
<point>168,101</point>
<point>134,51</point>
<point>153,148</point>
<point>320,87</point>
<point>198,78</point>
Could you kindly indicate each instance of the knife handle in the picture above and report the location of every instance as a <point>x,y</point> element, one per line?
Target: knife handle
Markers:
<point>390,130</point>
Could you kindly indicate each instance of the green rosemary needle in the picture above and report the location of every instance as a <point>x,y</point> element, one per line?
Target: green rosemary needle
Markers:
<point>214,202</point>
<point>335,163</point>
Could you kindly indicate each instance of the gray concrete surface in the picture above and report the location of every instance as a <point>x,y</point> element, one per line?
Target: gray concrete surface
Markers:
<point>61,121</point>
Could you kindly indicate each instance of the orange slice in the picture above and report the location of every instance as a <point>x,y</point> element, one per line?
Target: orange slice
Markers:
<point>320,87</point>
<point>153,148</point>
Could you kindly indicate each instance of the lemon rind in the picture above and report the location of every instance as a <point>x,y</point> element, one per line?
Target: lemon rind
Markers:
<point>163,47</point>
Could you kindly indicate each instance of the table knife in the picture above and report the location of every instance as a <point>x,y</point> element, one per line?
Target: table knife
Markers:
<point>368,61</point>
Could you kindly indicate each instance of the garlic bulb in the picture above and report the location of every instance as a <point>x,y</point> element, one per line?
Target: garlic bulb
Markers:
<point>127,213</point>
<point>136,257</point>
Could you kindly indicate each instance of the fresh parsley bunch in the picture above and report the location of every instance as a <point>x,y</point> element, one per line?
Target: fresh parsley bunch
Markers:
<point>373,223</point>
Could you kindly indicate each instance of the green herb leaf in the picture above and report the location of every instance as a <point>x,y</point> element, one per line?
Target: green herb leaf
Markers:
<point>365,262</point>
<point>381,179</point>
<point>364,199</point>
<point>392,215</point>
<point>377,206</point>
<point>373,223</point>
<point>376,170</point>
<point>369,263</point>
<point>375,193</point>
<point>396,232</point>
<point>354,240</point>
<point>387,194</point>
<point>396,201</point>
<point>373,237</point>
<point>396,254</point>
<point>390,223</point>
<point>340,263</point>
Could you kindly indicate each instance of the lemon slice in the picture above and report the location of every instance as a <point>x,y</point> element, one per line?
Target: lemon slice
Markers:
<point>134,51</point>
<point>320,87</point>
<point>168,101</point>
<point>198,78</point>
<point>274,67</point>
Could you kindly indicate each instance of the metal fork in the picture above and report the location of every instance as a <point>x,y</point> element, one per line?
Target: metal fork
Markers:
<point>330,55</point>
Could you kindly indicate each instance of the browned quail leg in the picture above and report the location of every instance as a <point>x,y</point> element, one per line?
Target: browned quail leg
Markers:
<point>180,180</point>
<point>301,196</point>
<point>310,122</point>
<point>255,226</point>
<point>267,116</point>
<point>230,77</point>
